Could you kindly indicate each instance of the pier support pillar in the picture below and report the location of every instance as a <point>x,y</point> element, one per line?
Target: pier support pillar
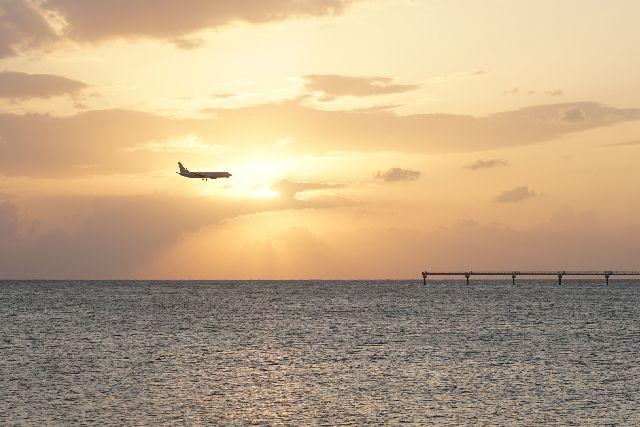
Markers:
<point>424,279</point>
<point>560,279</point>
<point>467,276</point>
<point>513,278</point>
<point>606,276</point>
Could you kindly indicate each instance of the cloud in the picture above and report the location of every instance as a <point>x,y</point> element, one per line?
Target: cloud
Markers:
<point>580,242</point>
<point>398,175</point>
<point>515,91</point>
<point>188,43</point>
<point>94,20</point>
<point>17,85</point>
<point>222,95</point>
<point>336,85</point>
<point>376,108</point>
<point>113,238</point>
<point>321,131</point>
<point>21,26</point>
<point>107,237</point>
<point>292,188</point>
<point>624,144</point>
<point>515,195</point>
<point>43,145</point>
<point>486,164</point>
<point>313,195</point>
<point>189,143</point>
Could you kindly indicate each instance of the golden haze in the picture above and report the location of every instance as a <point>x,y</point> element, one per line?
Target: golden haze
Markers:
<point>367,139</point>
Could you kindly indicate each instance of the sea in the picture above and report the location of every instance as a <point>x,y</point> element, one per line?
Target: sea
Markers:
<point>305,353</point>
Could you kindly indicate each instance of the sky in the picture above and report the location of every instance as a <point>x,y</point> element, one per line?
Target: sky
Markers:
<point>368,139</point>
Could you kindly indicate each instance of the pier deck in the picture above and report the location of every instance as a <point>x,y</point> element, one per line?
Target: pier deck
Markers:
<point>560,274</point>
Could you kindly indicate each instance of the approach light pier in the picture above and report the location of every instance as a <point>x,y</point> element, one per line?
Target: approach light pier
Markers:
<point>559,274</point>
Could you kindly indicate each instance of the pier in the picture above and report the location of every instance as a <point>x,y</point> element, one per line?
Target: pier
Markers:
<point>559,274</point>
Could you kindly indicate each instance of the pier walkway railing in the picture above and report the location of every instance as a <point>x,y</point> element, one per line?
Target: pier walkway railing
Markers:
<point>560,274</point>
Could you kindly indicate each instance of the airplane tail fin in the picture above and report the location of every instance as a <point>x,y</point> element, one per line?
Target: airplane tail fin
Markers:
<point>182,168</point>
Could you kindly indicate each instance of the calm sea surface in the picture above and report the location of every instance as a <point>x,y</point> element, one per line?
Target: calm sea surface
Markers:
<point>319,352</point>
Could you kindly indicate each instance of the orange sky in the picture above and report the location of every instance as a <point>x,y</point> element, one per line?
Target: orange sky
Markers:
<point>366,138</point>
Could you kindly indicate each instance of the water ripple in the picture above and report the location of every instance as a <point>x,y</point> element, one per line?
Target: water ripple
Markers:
<point>319,353</point>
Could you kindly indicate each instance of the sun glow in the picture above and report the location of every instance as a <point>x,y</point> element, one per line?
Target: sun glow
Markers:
<point>255,179</point>
<point>264,192</point>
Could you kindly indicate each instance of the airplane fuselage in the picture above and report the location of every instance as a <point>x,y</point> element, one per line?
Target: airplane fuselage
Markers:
<point>202,175</point>
<point>205,175</point>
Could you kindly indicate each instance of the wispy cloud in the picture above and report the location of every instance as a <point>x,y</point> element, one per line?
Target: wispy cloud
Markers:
<point>222,95</point>
<point>486,164</point>
<point>624,144</point>
<point>517,90</point>
<point>307,194</point>
<point>188,43</point>
<point>336,85</point>
<point>189,143</point>
<point>516,195</point>
<point>292,188</point>
<point>398,175</point>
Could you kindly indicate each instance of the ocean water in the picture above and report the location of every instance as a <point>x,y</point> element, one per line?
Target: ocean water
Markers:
<point>320,353</point>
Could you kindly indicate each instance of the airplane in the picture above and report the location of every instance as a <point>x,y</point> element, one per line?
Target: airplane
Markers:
<point>202,175</point>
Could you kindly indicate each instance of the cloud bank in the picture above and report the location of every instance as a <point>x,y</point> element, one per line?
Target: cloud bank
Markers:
<point>42,145</point>
<point>579,242</point>
<point>23,26</point>
<point>125,232</point>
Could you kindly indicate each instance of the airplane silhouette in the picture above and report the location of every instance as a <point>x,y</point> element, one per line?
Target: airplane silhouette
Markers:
<point>202,175</point>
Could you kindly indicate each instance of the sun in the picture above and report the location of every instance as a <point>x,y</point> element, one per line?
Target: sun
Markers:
<point>264,192</point>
